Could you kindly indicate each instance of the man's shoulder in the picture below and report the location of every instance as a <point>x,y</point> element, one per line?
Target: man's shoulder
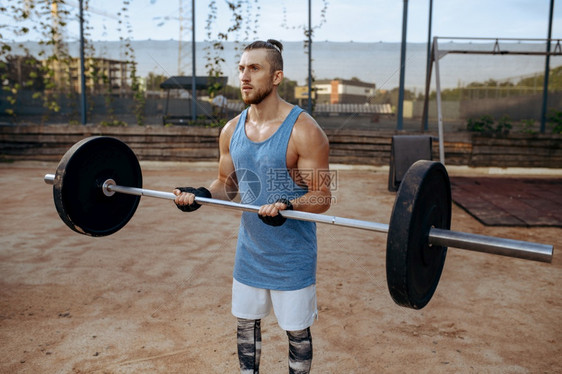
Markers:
<point>308,134</point>
<point>306,123</point>
<point>228,129</point>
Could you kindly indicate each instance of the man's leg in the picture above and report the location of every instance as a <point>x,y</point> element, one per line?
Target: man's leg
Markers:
<point>300,351</point>
<point>249,345</point>
<point>296,311</point>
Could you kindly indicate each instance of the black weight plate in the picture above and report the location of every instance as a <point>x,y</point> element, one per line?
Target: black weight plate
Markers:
<point>413,266</point>
<point>77,188</point>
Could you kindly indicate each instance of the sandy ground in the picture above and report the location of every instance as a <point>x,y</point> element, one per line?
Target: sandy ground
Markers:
<point>155,296</point>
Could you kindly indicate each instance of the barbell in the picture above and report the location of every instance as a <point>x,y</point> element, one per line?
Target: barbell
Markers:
<point>98,184</point>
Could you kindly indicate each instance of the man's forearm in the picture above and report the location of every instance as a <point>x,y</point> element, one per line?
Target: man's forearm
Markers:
<point>313,202</point>
<point>222,191</point>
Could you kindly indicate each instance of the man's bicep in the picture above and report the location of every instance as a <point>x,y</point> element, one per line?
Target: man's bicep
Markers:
<point>314,160</point>
<point>227,173</point>
<point>226,185</point>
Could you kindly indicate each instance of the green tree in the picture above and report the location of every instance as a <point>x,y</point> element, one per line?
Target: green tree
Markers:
<point>391,97</point>
<point>554,80</point>
<point>153,81</point>
<point>24,71</point>
<point>287,90</point>
<point>49,19</point>
<point>244,19</point>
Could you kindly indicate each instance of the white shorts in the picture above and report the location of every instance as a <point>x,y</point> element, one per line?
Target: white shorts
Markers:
<point>295,310</point>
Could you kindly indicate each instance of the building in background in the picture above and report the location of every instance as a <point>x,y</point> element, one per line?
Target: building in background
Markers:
<point>102,76</point>
<point>340,91</point>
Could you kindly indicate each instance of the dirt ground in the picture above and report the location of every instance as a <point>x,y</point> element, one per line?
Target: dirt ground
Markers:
<point>155,296</point>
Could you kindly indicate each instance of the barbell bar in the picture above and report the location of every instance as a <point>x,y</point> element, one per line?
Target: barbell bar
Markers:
<point>90,201</point>
<point>438,237</point>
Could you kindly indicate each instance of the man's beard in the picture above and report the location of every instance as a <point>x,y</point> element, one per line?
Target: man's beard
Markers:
<point>257,96</point>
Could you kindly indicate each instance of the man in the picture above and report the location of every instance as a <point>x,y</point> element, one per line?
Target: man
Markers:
<point>276,157</point>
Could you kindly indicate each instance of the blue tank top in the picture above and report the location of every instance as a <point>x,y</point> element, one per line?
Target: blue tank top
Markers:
<point>276,258</point>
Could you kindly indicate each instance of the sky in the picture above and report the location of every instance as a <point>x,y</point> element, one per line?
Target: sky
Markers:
<point>344,21</point>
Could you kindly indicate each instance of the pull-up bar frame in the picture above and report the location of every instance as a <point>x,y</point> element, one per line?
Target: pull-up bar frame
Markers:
<point>437,54</point>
